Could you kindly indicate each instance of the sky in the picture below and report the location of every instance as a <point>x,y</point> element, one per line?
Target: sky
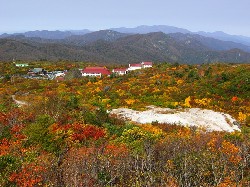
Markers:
<point>230,16</point>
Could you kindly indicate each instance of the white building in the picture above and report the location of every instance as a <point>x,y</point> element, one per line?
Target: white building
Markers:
<point>133,67</point>
<point>95,71</point>
<point>147,64</point>
<point>120,71</point>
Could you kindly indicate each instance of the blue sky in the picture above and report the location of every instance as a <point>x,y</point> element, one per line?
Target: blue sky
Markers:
<point>230,16</point>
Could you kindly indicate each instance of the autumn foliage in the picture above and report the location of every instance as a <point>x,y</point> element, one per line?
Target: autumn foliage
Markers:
<point>65,136</point>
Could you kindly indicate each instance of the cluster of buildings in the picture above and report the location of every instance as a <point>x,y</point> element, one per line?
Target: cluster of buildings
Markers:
<point>41,73</point>
<point>100,71</point>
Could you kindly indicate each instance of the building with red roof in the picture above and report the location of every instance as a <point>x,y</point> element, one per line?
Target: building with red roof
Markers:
<point>120,71</point>
<point>95,71</point>
<point>147,64</point>
<point>134,67</point>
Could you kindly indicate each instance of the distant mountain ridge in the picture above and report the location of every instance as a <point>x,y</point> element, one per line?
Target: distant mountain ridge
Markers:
<point>170,29</point>
<point>226,37</point>
<point>144,29</point>
<point>212,43</point>
<point>45,34</point>
<point>106,35</point>
<point>114,47</point>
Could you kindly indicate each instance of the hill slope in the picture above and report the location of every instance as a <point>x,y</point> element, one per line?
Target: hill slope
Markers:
<point>114,47</point>
<point>227,37</point>
<point>106,35</point>
<point>143,29</point>
<point>170,29</point>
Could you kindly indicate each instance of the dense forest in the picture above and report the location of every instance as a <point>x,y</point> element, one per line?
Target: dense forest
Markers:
<point>63,135</point>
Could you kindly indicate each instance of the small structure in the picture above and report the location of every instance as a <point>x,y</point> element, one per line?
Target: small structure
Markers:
<point>140,66</point>
<point>59,73</point>
<point>147,64</point>
<point>133,67</point>
<point>37,71</point>
<point>120,71</point>
<point>22,65</point>
<point>95,71</point>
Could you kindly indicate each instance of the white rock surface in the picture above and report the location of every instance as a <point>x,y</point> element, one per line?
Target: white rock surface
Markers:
<point>207,119</point>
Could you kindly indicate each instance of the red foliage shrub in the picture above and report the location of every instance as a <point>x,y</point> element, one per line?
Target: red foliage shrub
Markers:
<point>83,132</point>
<point>30,175</point>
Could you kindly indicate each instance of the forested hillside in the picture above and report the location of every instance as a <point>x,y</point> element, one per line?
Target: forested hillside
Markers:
<point>113,47</point>
<point>63,134</point>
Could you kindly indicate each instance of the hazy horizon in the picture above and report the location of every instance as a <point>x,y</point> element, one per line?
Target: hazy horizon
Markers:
<point>64,30</point>
<point>229,16</point>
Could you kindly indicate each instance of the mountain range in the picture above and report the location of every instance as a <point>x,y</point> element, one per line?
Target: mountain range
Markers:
<point>45,34</point>
<point>144,29</point>
<point>126,45</point>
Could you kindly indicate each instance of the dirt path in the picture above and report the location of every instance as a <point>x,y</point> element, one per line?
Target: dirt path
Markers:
<point>19,103</point>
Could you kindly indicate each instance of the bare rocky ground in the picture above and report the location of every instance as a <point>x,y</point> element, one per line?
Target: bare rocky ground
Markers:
<point>201,118</point>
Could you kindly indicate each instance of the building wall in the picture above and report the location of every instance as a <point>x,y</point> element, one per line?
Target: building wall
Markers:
<point>22,65</point>
<point>131,68</point>
<point>92,74</point>
<point>147,66</point>
<point>120,72</point>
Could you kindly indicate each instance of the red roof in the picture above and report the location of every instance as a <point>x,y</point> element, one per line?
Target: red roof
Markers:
<point>120,69</point>
<point>101,70</point>
<point>135,65</point>
<point>148,63</point>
